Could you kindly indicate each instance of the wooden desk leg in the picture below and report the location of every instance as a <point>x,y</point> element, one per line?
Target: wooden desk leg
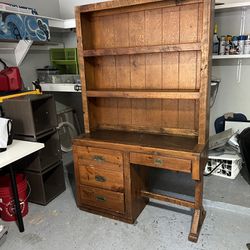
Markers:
<point>199,212</point>
<point>16,200</point>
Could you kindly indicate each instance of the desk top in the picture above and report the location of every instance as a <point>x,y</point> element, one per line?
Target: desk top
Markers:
<point>17,150</point>
<point>136,139</point>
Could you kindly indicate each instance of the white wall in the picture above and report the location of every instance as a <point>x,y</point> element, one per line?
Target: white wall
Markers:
<point>67,6</point>
<point>233,96</point>
<point>48,8</point>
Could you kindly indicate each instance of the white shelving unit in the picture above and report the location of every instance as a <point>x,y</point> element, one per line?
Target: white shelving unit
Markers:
<point>21,48</point>
<point>53,22</point>
<point>217,57</point>
<point>232,6</point>
<point>11,46</point>
<point>60,87</point>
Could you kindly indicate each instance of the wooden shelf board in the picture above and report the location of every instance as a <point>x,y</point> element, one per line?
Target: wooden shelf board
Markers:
<point>150,94</point>
<point>142,50</point>
<point>149,129</point>
<point>106,5</point>
<point>150,140</point>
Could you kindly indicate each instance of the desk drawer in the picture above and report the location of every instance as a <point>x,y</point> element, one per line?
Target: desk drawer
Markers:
<point>165,162</point>
<point>112,201</point>
<point>98,177</point>
<point>109,159</point>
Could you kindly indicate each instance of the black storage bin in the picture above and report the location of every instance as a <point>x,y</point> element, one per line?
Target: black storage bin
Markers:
<point>47,156</point>
<point>47,185</point>
<point>32,115</point>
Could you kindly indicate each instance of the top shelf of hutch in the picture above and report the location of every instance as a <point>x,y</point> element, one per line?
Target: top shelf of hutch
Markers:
<point>142,49</point>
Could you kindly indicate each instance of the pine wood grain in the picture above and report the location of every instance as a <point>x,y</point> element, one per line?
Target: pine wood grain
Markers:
<point>145,71</point>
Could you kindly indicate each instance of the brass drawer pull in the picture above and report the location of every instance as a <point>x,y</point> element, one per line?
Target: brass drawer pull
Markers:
<point>100,178</point>
<point>100,198</point>
<point>98,158</point>
<point>158,161</point>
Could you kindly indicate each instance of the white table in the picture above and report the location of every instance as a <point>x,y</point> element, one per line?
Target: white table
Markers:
<point>16,151</point>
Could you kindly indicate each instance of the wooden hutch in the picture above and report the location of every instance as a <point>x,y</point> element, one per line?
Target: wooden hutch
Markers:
<point>145,72</point>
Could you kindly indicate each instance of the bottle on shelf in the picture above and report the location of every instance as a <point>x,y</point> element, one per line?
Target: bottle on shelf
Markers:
<point>222,45</point>
<point>216,41</point>
<point>228,45</point>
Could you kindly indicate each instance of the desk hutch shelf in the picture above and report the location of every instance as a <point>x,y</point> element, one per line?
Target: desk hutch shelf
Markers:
<point>145,69</point>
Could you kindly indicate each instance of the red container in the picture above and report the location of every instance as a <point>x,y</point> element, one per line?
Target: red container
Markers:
<point>10,78</point>
<point>4,83</point>
<point>14,77</point>
<point>7,204</point>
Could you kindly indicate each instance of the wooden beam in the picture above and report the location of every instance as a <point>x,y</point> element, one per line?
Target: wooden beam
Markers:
<point>166,198</point>
<point>159,94</point>
<point>142,50</point>
<point>136,4</point>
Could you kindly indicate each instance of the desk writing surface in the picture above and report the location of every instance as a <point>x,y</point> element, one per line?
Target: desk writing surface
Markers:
<point>17,150</point>
<point>182,143</point>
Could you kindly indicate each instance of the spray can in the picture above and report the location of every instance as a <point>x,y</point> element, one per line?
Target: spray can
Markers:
<point>222,45</point>
<point>242,44</point>
<point>235,45</point>
<point>247,45</point>
<point>228,44</point>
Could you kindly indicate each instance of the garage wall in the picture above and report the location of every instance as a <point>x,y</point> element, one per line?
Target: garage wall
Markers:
<point>234,94</point>
<point>35,59</point>
<point>67,6</point>
<point>48,8</point>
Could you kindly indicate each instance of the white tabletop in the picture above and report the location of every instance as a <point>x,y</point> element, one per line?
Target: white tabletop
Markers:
<point>17,150</point>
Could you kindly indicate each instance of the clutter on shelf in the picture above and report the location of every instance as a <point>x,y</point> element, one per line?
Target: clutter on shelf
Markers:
<point>230,44</point>
<point>63,69</point>
<point>230,147</point>
<point>45,74</point>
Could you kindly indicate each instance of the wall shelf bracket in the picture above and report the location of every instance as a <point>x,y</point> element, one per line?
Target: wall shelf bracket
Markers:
<point>21,50</point>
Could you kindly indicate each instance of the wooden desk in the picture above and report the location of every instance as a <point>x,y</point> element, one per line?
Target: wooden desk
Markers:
<point>16,151</point>
<point>145,73</point>
<point>111,172</point>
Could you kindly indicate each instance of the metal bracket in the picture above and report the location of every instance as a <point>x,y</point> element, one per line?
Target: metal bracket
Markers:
<point>242,31</point>
<point>21,50</point>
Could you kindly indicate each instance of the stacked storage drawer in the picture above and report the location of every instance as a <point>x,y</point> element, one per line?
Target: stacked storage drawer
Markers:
<point>100,174</point>
<point>65,60</point>
<point>34,119</point>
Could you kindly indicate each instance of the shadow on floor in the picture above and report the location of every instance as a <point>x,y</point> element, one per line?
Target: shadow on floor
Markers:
<point>69,168</point>
<point>171,208</point>
<point>245,174</point>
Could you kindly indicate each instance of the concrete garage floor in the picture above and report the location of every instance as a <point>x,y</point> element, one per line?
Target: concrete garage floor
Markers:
<point>236,192</point>
<point>61,225</point>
